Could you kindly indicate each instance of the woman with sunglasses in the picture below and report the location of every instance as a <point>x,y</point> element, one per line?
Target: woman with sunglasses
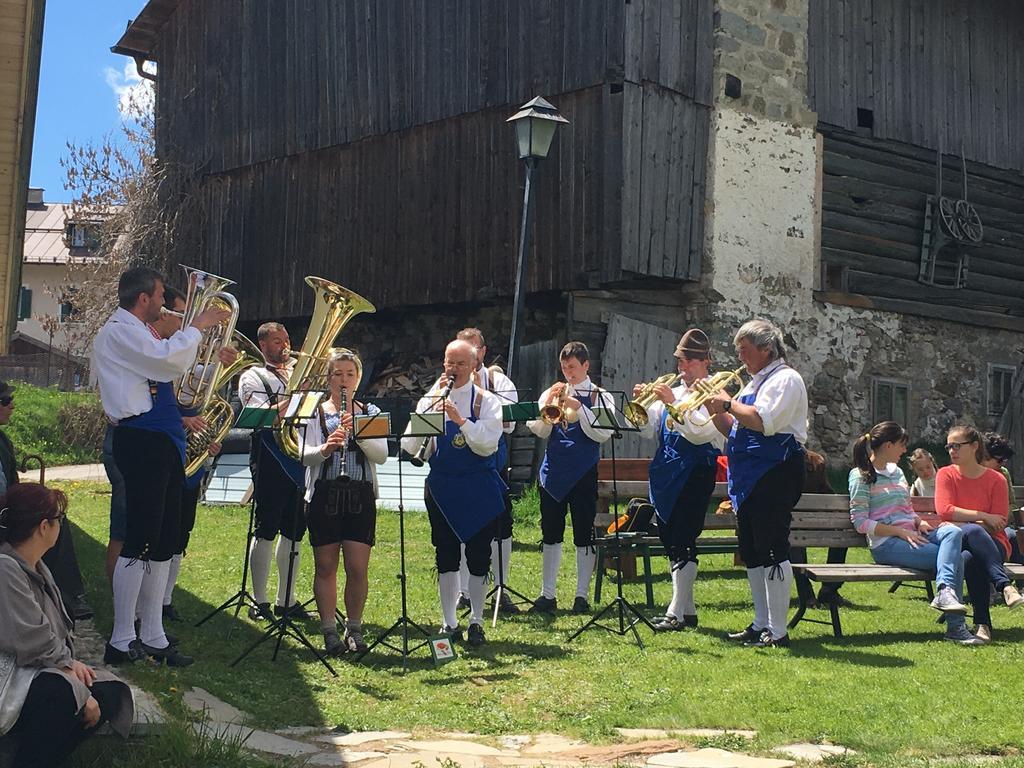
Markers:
<point>880,509</point>
<point>968,492</point>
<point>49,701</point>
<point>341,490</point>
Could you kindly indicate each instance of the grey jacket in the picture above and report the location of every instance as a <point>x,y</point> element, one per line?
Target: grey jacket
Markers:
<point>37,632</point>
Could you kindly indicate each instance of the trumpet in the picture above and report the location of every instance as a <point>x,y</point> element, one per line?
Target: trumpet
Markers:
<point>702,391</point>
<point>636,409</point>
<point>555,411</point>
<point>420,457</point>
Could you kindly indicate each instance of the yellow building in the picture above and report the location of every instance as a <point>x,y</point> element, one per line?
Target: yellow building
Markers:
<point>21,43</point>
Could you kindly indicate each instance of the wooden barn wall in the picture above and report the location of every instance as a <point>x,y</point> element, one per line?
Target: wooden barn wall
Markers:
<point>427,216</point>
<point>873,207</point>
<point>927,69</point>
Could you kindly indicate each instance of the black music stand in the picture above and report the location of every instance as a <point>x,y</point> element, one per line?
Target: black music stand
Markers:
<point>403,624</point>
<point>628,615</point>
<point>301,409</point>
<point>253,419</point>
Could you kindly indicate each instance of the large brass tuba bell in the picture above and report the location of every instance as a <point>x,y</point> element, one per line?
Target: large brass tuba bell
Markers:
<point>197,386</point>
<point>334,307</point>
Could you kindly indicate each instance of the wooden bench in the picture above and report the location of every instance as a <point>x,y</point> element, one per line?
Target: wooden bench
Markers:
<point>819,520</point>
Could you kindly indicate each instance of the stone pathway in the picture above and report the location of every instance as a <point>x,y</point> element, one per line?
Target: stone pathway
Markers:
<point>92,472</point>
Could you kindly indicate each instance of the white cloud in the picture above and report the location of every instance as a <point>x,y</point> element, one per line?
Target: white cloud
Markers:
<point>132,91</point>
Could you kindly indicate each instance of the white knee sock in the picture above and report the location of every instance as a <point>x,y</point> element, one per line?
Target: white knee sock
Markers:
<point>151,614</point>
<point>688,575</point>
<point>506,557</point>
<point>127,585</point>
<point>477,587</point>
<point>778,589</point>
<point>552,559</point>
<point>463,574</point>
<point>759,595</point>
<point>260,552</point>
<point>172,578</point>
<point>284,547</point>
<point>448,591</point>
<point>586,558</point>
<point>678,606</point>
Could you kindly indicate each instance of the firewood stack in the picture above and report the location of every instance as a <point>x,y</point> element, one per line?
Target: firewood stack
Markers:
<point>406,380</point>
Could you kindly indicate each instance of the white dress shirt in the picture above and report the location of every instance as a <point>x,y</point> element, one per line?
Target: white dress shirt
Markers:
<point>781,402</point>
<point>251,390</point>
<point>481,435</point>
<point>542,429</point>
<point>375,449</point>
<point>126,356</point>
<point>708,433</point>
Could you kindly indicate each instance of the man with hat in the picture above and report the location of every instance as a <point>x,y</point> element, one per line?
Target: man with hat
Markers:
<point>682,475</point>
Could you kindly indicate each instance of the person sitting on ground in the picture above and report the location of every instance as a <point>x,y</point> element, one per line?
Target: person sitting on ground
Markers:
<point>923,464</point>
<point>998,453</point>
<point>880,508</point>
<point>49,701</point>
<point>968,492</point>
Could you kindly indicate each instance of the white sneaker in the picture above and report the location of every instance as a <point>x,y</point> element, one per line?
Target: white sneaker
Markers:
<point>945,601</point>
<point>983,632</point>
<point>1012,597</point>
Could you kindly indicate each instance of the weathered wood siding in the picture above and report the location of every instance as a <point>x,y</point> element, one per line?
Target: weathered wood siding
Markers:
<point>925,69</point>
<point>366,142</point>
<point>873,211</point>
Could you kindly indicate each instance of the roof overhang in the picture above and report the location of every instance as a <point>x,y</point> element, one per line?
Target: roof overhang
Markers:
<point>139,39</point>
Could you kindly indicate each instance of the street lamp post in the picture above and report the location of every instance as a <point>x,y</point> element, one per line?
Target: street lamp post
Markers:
<point>535,124</point>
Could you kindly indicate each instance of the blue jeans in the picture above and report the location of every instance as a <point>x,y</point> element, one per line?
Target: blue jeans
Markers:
<point>942,552</point>
<point>118,500</point>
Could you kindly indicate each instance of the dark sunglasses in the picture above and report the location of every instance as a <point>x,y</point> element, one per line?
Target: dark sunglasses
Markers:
<point>5,401</point>
<point>958,446</point>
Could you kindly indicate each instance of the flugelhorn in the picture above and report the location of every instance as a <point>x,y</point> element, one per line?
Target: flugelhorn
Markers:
<point>636,409</point>
<point>555,411</point>
<point>419,458</point>
<point>702,391</point>
<point>334,306</point>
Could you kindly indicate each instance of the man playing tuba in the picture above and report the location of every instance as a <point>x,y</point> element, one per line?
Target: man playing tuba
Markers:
<point>682,475</point>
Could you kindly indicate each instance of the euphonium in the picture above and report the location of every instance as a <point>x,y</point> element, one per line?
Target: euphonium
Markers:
<point>702,391</point>
<point>334,307</point>
<point>205,290</point>
<point>636,409</point>
<point>218,414</point>
<point>555,411</point>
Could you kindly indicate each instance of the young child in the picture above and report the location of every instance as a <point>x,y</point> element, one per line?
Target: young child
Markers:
<point>923,464</point>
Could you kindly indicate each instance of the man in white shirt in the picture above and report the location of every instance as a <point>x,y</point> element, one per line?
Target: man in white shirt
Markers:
<point>495,381</point>
<point>278,479</point>
<point>766,426</point>
<point>464,493</point>
<point>568,476</point>
<point>136,370</point>
<point>682,475</point>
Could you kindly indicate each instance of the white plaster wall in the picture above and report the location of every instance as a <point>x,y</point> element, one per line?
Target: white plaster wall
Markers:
<point>38,277</point>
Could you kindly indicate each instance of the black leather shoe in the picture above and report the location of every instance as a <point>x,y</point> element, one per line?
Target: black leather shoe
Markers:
<point>296,612</point>
<point>112,655</point>
<point>544,605</point>
<point>171,613</point>
<point>79,608</point>
<point>169,655</point>
<point>830,597</point>
<point>748,635</point>
<point>767,641</point>
<point>580,606</point>
<point>260,612</point>
<point>475,635</point>
<point>454,633</point>
<point>669,624</point>
<point>506,605</point>
<point>690,621</point>
<point>463,604</point>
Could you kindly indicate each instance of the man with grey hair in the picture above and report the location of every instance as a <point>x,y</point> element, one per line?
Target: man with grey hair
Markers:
<point>766,428</point>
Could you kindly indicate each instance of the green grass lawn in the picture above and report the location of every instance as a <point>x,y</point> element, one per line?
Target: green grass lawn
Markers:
<point>891,687</point>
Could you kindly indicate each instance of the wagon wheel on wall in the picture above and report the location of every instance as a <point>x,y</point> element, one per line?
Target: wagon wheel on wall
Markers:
<point>969,221</point>
<point>947,209</point>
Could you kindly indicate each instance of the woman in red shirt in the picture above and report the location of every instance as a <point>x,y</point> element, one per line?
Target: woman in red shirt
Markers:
<point>970,493</point>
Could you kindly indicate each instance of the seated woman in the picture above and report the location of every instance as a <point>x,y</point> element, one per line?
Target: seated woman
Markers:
<point>880,508</point>
<point>923,464</point>
<point>968,492</point>
<point>49,702</point>
<point>998,453</point>
<point>341,489</point>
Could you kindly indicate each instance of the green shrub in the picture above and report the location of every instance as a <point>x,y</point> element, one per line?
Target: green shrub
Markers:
<point>61,427</point>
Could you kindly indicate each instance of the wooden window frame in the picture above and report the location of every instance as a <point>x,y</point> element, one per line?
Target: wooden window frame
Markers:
<point>993,369</point>
<point>893,384</point>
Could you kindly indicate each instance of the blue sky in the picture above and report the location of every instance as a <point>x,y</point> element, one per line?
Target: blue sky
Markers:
<point>79,83</point>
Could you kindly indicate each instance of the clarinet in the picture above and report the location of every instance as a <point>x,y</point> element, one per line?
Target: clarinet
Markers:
<point>420,457</point>
<point>343,475</point>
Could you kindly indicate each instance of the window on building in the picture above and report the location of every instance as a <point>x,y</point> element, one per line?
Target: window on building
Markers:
<point>67,306</point>
<point>80,235</point>
<point>890,401</point>
<point>1000,385</point>
<point>25,303</point>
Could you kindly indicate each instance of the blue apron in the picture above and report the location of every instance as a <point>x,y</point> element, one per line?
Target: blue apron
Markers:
<point>569,456</point>
<point>751,454</point>
<point>501,455</point>
<point>194,480</point>
<point>671,467</point>
<point>465,486</point>
<point>164,417</point>
<point>294,469</point>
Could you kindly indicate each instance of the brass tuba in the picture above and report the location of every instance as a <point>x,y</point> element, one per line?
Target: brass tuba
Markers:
<point>636,409</point>
<point>334,307</point>
<point>555,411</point>
<point>197,386</point>
<point>218,414</point>
<point>702,391</point>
